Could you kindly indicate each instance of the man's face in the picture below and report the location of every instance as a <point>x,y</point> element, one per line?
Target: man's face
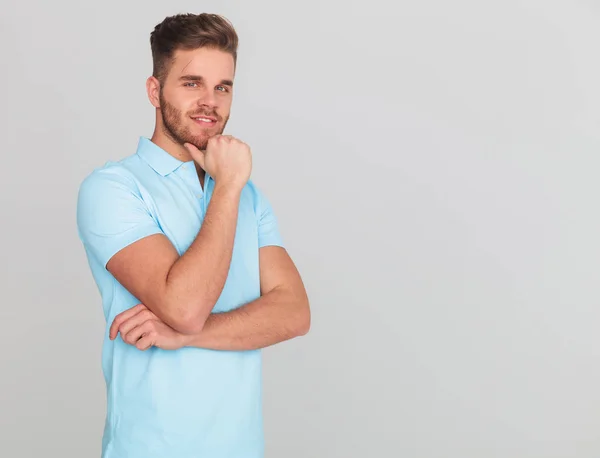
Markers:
<point>195,98</point>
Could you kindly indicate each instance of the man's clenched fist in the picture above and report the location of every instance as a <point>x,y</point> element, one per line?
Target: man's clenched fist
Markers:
<point>227,159</point>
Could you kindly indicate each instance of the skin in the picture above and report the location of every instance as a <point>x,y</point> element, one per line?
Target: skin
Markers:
<point>176,309</point>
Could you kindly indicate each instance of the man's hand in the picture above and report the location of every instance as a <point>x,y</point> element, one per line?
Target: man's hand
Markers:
<point>143,329</point>
<point>227,159</point>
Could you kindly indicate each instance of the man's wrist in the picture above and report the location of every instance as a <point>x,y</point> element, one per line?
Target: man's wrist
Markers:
<point>186,340</point>
<point>190,340</point>
<point>227,190</point>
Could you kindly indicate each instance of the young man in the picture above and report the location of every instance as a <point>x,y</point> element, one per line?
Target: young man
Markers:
<point>187,255</point>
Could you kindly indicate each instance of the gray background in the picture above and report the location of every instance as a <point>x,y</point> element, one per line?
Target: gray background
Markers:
<point>434,167</point>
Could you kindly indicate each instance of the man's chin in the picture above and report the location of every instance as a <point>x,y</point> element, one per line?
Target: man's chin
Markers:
<point>200,143</point>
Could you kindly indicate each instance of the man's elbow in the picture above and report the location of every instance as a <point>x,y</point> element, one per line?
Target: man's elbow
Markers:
<point>189,326</point>
<point>303,319</point>
<point>189,320</point>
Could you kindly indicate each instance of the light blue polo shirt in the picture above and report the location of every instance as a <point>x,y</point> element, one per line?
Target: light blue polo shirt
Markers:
<point>191,402</point>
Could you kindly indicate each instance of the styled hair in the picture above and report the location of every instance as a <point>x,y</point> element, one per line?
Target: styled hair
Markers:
<point>190,31</point>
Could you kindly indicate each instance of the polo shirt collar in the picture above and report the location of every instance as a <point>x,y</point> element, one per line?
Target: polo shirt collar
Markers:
<point>156,157</point>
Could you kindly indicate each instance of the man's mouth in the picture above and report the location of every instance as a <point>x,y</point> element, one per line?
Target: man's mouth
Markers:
<point>205,120</point>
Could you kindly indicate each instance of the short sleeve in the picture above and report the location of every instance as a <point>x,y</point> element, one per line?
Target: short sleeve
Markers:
<point>268,226</point>
<point>111,214</point>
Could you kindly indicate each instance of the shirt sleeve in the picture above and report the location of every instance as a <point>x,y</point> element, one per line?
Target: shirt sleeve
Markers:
<point>111,214</point>
<point>268,226</point>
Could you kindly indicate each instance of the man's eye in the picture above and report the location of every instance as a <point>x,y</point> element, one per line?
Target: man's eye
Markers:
<point>222,88</point>
<point>190,84</point>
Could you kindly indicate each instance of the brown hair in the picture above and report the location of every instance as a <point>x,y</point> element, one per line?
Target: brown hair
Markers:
<point>190,31</point>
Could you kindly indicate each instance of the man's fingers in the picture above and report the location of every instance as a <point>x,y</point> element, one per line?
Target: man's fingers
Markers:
<point>136,320</point>
<point>132,336</point>
<point>191,148</point>
<point>196,154</point>
<point>145,342</point>
<point>144,331</point>
<point>123,316</point>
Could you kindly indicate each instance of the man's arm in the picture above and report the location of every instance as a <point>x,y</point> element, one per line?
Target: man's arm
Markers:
<point>182,291</point>
<point>119,232</point>
<point>281,313</point>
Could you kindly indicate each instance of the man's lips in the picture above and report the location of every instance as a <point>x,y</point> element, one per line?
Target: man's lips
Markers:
<point>204,119</point>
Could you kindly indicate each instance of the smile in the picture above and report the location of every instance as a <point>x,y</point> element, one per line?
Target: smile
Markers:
<point>203,120</point>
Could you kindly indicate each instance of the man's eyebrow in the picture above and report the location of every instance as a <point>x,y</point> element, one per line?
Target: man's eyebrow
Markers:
<point>199,78</point>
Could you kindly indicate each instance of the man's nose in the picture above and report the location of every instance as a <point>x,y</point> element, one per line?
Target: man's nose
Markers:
<point>207,98</point>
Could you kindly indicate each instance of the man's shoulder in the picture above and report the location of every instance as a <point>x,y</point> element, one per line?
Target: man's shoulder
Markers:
<point>253,191</point>
<point>111,182</point>
<point>251,187</point>
<point>257,190</point>
<point>258,196</point>
<point>111,172</point>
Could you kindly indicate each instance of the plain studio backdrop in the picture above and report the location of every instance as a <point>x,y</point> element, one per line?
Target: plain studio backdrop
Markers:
<point>434,168</point>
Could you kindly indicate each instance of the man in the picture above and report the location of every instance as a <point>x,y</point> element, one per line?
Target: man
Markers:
<point>187,255</point>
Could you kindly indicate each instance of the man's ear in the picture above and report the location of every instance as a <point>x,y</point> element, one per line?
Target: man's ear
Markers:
<point>153,90</point>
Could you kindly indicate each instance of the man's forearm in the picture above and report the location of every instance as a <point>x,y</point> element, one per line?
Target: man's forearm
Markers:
<point>272,318</point>
<point>196,279</point>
